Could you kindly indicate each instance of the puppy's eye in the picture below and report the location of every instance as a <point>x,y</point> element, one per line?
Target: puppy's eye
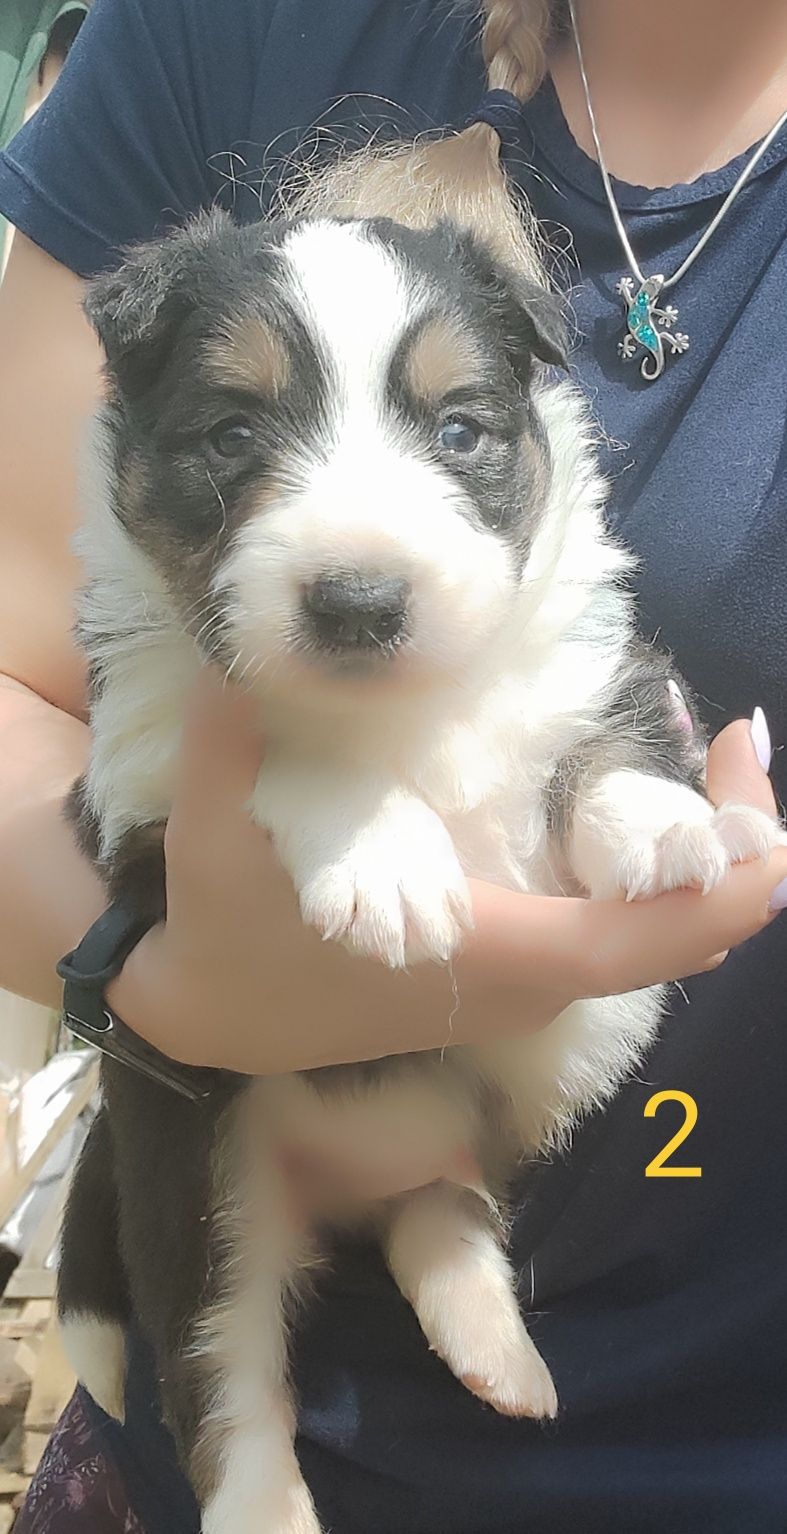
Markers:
<point>459,435</point>
<point>231,438</point>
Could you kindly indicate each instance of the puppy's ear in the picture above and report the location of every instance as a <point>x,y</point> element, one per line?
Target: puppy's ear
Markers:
<point>531,317</point>
<point>539,327</point>
<point>136,310</point>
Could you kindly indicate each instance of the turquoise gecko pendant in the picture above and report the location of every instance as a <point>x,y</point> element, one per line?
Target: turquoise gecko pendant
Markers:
<point>648,326</point>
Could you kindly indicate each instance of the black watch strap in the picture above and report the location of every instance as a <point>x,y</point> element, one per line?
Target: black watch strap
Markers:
<point>87,971</point>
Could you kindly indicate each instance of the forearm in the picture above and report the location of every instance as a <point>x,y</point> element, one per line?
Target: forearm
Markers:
<point>49,895</point>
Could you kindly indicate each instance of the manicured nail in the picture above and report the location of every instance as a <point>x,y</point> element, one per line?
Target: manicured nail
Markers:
<point>761,739</point>
<point>682,714</point>
<point>778,900</point>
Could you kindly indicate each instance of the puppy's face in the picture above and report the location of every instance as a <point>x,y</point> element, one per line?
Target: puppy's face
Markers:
<point>323,439</point>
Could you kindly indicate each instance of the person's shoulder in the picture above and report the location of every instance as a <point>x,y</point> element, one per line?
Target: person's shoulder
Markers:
<point>210,27</point>
<point>166,105</point>
<point>123,145</point>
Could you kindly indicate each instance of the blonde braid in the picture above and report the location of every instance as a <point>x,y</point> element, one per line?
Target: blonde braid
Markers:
<point>514,44</point>
<point>458,176</point>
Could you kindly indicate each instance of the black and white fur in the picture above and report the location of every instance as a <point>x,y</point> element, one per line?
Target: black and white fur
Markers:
<point>417,587</point>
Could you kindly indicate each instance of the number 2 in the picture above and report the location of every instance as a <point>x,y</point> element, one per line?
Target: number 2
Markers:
<point>656,1167</point>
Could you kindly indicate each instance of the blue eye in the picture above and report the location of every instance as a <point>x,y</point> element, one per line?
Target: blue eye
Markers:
<point>231,438</point>
<point>459,435</point>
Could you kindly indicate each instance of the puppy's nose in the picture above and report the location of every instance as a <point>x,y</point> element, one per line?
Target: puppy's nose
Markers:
<point>356,612</point>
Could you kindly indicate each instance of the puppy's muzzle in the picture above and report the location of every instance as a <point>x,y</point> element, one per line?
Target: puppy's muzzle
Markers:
<point>354,614</point>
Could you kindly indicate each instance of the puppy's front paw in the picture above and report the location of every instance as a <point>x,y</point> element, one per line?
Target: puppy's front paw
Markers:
<point>397,893</point>
<point>698,855</point>
<point>642,836</point>
<point>523,1388</point>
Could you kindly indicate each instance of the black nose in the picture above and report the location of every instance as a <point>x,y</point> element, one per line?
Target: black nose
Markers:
<point>357,612</point>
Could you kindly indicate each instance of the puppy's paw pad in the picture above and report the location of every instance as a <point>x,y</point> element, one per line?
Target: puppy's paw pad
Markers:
<point>522,1388</point>
<point>476,1328</point>
<point>399,894</point>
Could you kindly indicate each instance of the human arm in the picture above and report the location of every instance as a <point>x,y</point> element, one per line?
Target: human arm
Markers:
<point>235,979</point>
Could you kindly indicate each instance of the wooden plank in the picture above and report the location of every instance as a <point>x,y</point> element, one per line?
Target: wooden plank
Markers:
<point>12,1482</point>
<point>36,1284</point>
<point>53,1384</point>
<point>34,1446</point>
<point>40,1251</point>
<point>52,1388</point>
<point>14,1385</point>
<point>35,1277</point>
<point>36,1317</point>
<point>25,1320</point>
<point>26,1355</point>
<point>49,1103</point>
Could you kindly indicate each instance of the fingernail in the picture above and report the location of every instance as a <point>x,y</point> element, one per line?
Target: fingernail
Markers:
<point>778,900</point>
<point>761,739</point>
<point>682,714</point>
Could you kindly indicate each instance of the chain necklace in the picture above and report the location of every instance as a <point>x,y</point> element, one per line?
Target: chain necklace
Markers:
<point>649,325</point>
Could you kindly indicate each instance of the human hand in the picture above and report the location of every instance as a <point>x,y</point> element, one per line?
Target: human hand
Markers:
<point>235,979</point>
<point>610,947</point>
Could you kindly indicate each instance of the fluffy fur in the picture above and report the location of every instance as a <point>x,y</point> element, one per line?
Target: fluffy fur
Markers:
<point>334,462</point>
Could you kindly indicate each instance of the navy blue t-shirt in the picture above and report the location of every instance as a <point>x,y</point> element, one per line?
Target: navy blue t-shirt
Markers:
<point>660,1304</point>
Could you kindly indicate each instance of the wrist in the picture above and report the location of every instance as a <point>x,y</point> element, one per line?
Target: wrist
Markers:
<point>148,999</point>
<point>88,972</point>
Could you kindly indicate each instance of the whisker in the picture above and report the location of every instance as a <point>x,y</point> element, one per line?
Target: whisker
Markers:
<point>213,621</point>
<point>259,669</point>
<point>250,662</point>
<point>220,499</point>
<point>231,667</point>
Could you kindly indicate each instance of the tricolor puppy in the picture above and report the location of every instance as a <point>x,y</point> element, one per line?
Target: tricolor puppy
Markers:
<point>338,461</point>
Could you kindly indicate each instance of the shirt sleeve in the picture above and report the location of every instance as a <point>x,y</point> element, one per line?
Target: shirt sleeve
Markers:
<point>130,140</point>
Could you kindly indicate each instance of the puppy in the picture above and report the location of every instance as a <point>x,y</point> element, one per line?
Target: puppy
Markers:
<point>337,461</point>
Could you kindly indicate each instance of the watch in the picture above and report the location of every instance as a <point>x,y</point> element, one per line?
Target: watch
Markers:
<point>87,971</point>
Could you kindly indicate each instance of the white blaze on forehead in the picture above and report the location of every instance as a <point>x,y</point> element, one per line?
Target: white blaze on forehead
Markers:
<point>356,301</point>
<point>360,492</point>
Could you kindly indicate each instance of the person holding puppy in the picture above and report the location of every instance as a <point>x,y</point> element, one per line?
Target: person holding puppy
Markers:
<point>660,1300</point>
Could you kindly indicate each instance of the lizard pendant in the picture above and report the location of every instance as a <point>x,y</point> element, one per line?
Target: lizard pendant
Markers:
<point>648,326</point>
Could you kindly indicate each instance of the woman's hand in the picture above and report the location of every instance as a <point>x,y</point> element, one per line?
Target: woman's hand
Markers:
<point>234,978</point>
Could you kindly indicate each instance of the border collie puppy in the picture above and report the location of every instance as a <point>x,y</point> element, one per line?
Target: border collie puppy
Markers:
<point>336,463</point>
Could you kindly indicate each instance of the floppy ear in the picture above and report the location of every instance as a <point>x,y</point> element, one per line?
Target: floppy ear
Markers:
<point>136,309</point>
<point>540,326</point>
<point>531,316</point>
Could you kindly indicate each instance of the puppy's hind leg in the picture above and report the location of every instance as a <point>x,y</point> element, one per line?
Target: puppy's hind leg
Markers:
<point>92,1297</point>
<point>243,1463</point>
<point>447,1260</point>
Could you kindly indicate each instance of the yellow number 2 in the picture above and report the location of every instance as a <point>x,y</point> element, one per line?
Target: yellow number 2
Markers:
<point>656,1167</point>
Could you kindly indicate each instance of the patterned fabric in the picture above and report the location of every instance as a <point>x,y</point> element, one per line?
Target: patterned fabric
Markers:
<point>77,1489</point>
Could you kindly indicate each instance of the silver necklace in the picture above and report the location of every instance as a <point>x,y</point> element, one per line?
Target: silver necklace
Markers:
<point>649,326</point>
